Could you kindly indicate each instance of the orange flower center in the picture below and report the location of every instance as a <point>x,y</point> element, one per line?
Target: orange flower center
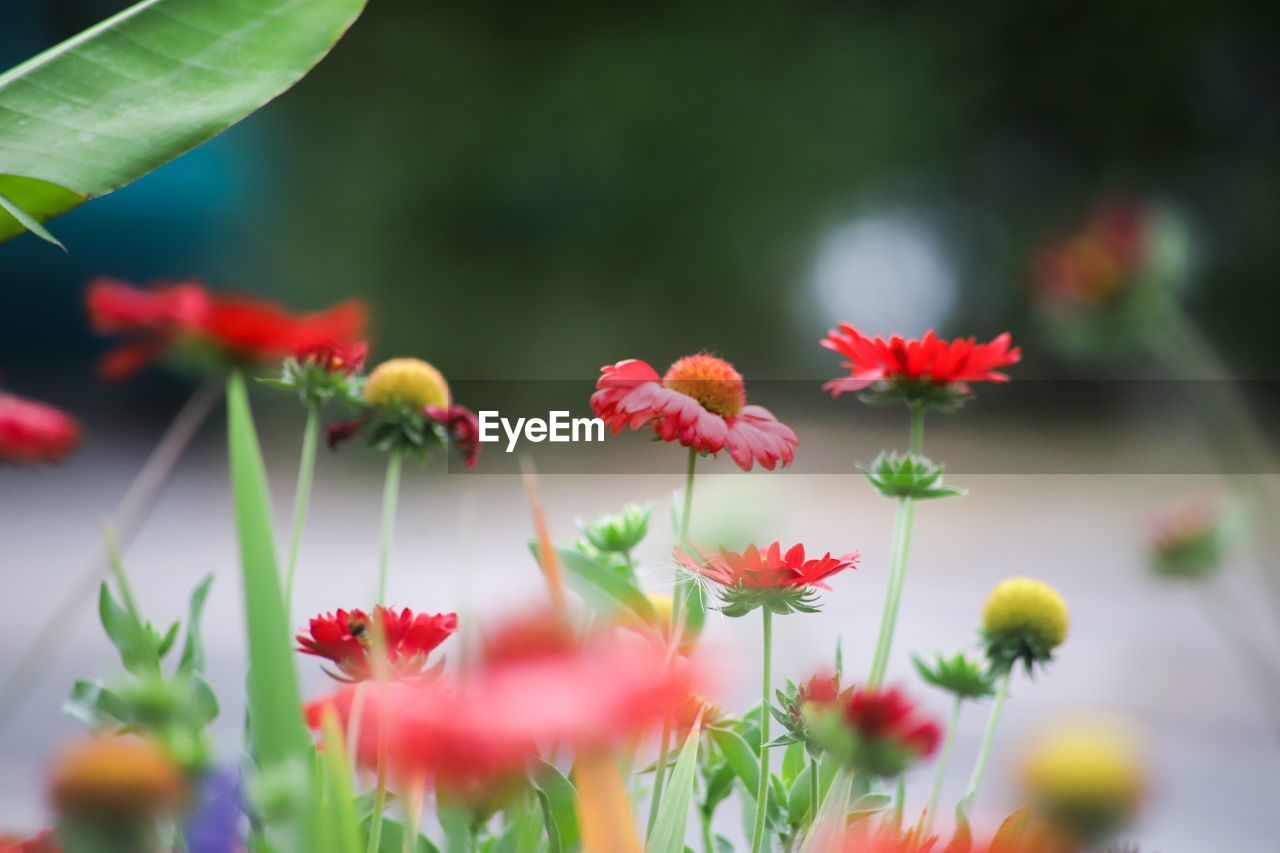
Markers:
<point>711,381</point>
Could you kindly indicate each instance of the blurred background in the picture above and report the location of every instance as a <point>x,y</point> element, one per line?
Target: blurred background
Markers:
<point>528,191</point>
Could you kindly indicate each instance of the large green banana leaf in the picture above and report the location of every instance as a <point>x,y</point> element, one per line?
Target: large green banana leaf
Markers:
<point>107,106</point>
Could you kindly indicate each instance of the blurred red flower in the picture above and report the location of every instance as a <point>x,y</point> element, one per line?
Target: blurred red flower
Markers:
<point>43,842</point>
<point>606,692</point>
<point>888,715</point>
<point>237,327</point>
<point>346,639</point>
<point>1097,264</point>
<point>700,402</point>
<point>929,359</point>
<point>767,569</point>
<point>32,432</point>
<point>463,427</point>
<point>333,356</point>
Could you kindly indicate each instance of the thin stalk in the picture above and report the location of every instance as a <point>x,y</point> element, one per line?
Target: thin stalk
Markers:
<point>302,493</point>
<point>677,621</point>
<point>413,820</point>
<point>1235,436</point>
<point>704,816</point>
<point>935,796</point>
<point>993,720</point>
<point>813,789</point>
<point>762,793</point>
<point>133,509</point>
<point>379,804</point>
<point>659,776</point>
<point>899,550</point>
<point>902,523</point>
<point>390,496</point>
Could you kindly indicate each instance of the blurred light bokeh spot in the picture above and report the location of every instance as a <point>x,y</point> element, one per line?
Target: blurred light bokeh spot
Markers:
<point>885,274</point>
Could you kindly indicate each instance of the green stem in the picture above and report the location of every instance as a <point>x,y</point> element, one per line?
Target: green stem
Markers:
<point>302,493</point>
<point>379,805</point>
<point>1239,443</point>
<point>659,776</point>
<point>917,429</point>
<point>704,814</point>
<point>762,793</point>
<point>677,617</point>
<point>813,789</point>
<point>902,524</point>
<point>900,548</point>
<point>979,767</point>
<point>390,495</point>
<point>935,796</point>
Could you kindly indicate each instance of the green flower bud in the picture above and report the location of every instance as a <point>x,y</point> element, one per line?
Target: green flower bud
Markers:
<point>618,533</point>
<point>964,676</point>
<point>908,475</point>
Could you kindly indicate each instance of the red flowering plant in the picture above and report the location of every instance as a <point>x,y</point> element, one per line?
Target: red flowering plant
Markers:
<point>700,402</point>
<point>766,578</point>
<point>32,432</point>
<point>873,731</point>
<point>348,640</point>
<point>186,317</point>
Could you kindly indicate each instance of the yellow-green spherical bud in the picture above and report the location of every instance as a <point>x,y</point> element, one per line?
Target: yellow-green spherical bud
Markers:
<point>1085,777</point>
<point>410,381</point>
<point>1027,608</point>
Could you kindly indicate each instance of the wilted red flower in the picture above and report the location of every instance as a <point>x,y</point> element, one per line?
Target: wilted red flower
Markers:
<point>608,691</point>
<point>333,356</point>
<point>237,327</point>
<point>1099,263</point>
<point>768,569</point>
<point>929,360</point>
<point>700,402</point>
<point>32,432</point>
<point>463,427</point>
<point>346,638</point>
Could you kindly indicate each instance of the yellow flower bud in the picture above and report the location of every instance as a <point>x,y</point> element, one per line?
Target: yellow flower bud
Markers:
<point>1085,777</point>
<point>1028,611</point>
<point>407,380</point>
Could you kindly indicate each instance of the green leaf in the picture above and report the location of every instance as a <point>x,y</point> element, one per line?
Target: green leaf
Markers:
<point>279,736</point>
<point>605,591</point>
<point>166,642</point>
<point>83,703</point>
<point>392,840</point>
<point>740,756</point>
<point>455,820</point>
<point>204,702</point>
<point>870,804</point>
<point>340,806</point>
<point>719,787</point>
<point>792,762</point>
<point>193,647</point>
<point>800,799</point>
<point>668,829</point>
<point>28,222</point>
<point>137,652</point>
<point>126,96</point>
<point>560,801</point>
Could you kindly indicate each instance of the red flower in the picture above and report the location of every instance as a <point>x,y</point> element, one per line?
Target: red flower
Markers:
<point>237,327</point>
<point>594,696</point>
<point>32,432</point>
<point>701,402</point>
<point>767,569</point>
<point>463,427</point>
<point>346,638</point>
<point>928,360</point>
<point>257,329</point>
<point>888,715</point>
<point>1100,262</point>
<point>333,356</point>
<point>45,841</point>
